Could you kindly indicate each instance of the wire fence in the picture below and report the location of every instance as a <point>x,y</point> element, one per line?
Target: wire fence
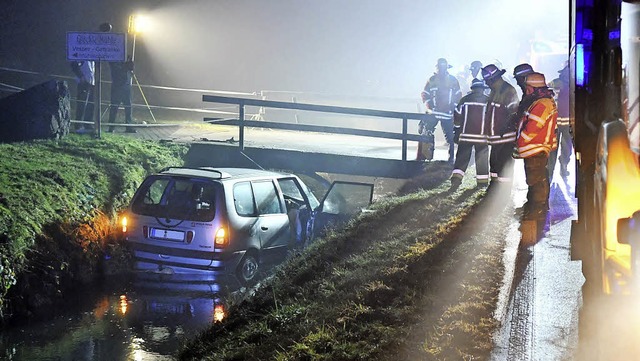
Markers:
<point>172,105</point>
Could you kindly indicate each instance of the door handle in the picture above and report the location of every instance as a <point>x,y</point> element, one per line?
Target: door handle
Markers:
<point>264,228</point>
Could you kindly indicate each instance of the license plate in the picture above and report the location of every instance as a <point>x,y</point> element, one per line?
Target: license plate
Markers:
<point>167,308</point>
<point>167,234</point>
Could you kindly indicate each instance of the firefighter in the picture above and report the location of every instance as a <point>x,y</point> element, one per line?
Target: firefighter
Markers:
<point>469,73</point>
<point>440,97</point>
<point>500,125</point>
<point>468,121</point>
<point>475,68</point>
<point>565,139</point>
<point>536,139</point>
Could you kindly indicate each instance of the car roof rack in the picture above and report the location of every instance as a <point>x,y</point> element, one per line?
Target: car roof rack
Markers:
<point>210,169</point>
<point>218,173</point>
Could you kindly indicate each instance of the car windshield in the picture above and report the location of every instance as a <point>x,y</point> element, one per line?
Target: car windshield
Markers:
<point>176,198</point>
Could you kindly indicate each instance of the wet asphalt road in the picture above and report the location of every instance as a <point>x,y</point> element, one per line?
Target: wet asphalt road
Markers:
<point>541,316</point>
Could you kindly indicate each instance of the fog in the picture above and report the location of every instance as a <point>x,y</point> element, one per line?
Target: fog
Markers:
<point>376,47</point>
<point>379,48</point>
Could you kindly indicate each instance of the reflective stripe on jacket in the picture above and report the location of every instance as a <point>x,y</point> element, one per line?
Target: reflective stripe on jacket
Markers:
<point>469,116</point>
<point>538,128</point>
<point>502,104</point>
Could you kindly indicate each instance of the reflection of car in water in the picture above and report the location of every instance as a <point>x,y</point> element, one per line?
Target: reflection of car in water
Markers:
<point>187,299</point>
<point>229,220</point>
<point>163,310</point>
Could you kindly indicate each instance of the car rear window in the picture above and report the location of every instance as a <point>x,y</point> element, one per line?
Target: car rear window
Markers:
<point>177,198</point>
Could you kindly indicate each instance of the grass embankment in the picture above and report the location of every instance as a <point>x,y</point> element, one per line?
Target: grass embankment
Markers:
<point>57,203</point>
<point>374,290</point>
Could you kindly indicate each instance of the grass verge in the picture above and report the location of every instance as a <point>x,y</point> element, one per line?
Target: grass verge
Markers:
<point>57,203</point>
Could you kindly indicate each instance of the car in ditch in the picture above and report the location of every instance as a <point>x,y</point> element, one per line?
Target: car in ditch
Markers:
<point>230,221</point>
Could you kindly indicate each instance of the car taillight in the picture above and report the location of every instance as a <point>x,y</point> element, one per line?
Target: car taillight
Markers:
<point>145,231</point>
<point>221,239</point>
<point>123,222</point>
<point>189,237</point>
<point>124,304</point>
<point>218,313</point>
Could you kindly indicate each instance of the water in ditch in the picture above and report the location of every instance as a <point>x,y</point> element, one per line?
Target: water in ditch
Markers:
<point>144,318</point>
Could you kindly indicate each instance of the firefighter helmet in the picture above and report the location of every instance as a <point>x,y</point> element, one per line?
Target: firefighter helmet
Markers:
<point>491,71</point>
<point>523,69</point>
<point>443,62</point>
<point>477,83</point>
<point>536,80</point>
<point>475,65</point>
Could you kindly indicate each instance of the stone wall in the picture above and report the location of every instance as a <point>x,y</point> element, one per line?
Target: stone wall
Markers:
<point>40,112</point>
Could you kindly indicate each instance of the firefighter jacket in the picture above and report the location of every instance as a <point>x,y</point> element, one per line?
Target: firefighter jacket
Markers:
<point>442,94</point>
<point>500,123</point>
<point>537,130</point>
<point>468,118</point>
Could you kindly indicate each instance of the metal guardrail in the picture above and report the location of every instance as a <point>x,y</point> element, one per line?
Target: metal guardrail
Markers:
<point>241,122</point>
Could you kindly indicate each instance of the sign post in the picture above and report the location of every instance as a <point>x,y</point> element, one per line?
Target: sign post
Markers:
<point>98,47</point>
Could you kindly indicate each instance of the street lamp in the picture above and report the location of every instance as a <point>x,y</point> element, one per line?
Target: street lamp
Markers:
<point>137,25</point>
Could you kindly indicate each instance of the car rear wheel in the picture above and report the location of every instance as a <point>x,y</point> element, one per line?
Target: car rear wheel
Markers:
<point>248,268</point>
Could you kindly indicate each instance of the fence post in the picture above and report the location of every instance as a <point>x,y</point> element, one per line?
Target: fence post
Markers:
<point>404,137</point>
<point>241,118</point>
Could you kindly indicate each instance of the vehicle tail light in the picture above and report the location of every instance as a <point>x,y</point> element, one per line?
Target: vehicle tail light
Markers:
<point>218,313</point>
<point>189,237</point>
<point>221,238</point>
<point>123,222</point>
<point>145,231</point>
<point>124,304</point>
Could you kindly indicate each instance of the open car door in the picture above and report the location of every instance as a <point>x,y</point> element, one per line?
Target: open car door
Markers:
<point>343,201</point>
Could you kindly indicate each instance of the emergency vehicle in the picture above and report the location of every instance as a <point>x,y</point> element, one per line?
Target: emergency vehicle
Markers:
<point>605,68</point>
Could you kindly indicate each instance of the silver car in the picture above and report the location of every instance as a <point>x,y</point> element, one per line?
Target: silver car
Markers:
<point>230,220</point>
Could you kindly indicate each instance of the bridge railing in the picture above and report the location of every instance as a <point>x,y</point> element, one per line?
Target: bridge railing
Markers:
<point>404,117</point>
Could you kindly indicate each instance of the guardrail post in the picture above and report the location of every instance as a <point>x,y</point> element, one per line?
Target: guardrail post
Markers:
<point>404,137</point>
<point>241,118</point>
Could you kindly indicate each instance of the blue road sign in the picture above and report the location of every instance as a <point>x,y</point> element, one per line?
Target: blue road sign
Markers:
<point>96,46</point>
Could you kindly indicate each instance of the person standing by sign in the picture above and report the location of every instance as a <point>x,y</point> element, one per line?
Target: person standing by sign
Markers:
<point>85,77</point>
<point>121,80</point>
<point>85,72</point>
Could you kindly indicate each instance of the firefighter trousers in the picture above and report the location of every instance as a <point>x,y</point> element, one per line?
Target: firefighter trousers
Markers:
<point>501,162</point>
<point>565,148</point>
<point>447,129</point>
<point>463,156</point>
<point>535,169</point>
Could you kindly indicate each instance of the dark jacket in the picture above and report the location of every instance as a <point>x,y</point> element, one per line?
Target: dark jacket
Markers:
<point>121,73</point>
<point>500,123</point>
<point>468,118</point>
<point>442,94</point>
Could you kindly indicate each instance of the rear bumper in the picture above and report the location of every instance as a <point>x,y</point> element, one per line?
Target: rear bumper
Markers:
<point>173,260</point>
